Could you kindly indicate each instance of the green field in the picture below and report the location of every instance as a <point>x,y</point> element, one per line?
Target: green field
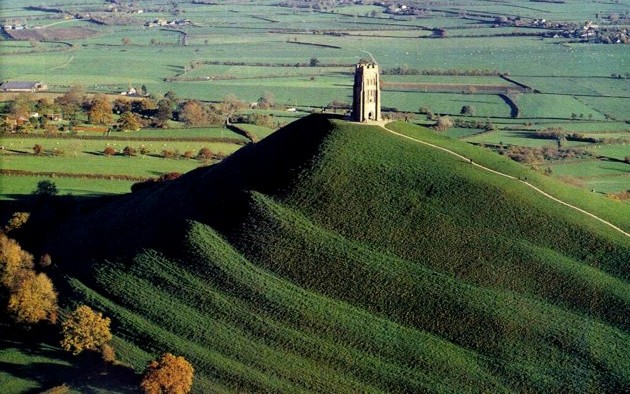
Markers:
<point>85,157</point>
<point>237,49</point>
<point>275,299</point>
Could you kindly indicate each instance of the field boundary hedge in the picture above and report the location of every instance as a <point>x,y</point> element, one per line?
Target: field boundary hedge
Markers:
<point>52,174</point>
<point>226,140</point>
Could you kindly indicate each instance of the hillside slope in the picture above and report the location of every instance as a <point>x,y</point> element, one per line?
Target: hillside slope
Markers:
<point>335,257</point>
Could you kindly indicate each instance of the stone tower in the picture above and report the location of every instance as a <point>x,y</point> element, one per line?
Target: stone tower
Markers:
<point>366,102</point>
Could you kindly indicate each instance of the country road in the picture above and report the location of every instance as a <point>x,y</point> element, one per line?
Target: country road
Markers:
<point>382,125</point>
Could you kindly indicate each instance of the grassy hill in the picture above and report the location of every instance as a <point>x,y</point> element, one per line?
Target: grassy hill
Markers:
<point>335,257</point>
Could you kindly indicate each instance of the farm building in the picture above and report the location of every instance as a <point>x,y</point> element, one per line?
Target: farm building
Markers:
<point>22,86</point>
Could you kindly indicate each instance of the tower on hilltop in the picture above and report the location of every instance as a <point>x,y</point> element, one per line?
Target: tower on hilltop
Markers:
<point>366,101</point>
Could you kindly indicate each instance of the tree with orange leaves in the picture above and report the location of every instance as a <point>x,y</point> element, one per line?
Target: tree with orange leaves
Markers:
<point>33,299</point>
<point>170,374</point>
<point>13,261</point>
<point>85,329</point>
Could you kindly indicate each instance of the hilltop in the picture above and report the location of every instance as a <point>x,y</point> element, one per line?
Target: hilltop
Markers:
<point>337,257</point>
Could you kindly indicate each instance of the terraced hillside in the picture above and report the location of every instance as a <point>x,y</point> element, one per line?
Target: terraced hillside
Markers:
<point>335,257</point>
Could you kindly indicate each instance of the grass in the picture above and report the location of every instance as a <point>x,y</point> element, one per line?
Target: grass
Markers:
<point>619,152</point>
<point>16,187</point>
<point>361,261</point>
<point>553,106</point>
<point>84,157</point>
<point>18,364</point>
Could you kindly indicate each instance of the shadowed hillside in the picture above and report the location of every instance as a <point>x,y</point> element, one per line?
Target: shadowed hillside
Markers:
<point>336,257</point>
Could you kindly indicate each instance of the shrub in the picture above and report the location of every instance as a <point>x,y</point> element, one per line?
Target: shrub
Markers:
<point>61,389</point>
<point>205,153</point>
<point>17,220</point>
<point>109,151</point>
<point>108,354</point>
<point>129,151</point>
<point>45,260</point>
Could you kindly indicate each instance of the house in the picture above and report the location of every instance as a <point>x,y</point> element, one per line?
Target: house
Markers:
<point>23,86</point>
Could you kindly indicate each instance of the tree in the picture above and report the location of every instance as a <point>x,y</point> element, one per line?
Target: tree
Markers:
<point>38,150</point>
<point>192,113</point>
<point>164,112</point>
<point>129,121</point>
<point>100,110</point>
<point>13,261</point>
<point>22,106</point>
<point>205,153</point>
<point>33,299</point>
<point>71,102</point>
<point>129,151</point>
<point>266,101</point>
<point>467,110</point>
<point>122,105</point>
<point>443,123</point>
<point>170,374</point>
<point>17,220</point>
<point>85,329</point>
<point>46,188</point>
<point>109,151</point>
<point>313,62</point>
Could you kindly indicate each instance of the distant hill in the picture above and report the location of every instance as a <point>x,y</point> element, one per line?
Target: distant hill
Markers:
<point>336,257</point>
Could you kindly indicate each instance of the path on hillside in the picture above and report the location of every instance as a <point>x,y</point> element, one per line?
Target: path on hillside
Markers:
<point>56,23</point>
<point>382,125</point>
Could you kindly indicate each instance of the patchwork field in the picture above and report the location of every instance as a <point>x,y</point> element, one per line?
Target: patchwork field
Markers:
<point>304,58</point>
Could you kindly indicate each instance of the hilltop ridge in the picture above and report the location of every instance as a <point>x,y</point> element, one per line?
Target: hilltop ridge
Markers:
<point>333,256</point>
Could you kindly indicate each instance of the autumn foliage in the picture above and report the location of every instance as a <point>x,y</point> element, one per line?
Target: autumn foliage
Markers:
<point>13,261</point>
<point>85,329</point>
<point>33,299</point>
<point>17,220</point>
<point>170,374</point>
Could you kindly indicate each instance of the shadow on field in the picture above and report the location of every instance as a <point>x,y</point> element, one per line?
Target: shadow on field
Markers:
<point>49,366</point>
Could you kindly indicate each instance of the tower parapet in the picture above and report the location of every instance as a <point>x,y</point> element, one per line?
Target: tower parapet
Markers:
<point>366,102</point>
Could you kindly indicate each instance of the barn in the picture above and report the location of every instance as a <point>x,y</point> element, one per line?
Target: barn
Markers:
<point>23,86</point>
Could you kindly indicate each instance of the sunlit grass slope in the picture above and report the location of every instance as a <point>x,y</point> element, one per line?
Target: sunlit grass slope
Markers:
<point>334,257</point>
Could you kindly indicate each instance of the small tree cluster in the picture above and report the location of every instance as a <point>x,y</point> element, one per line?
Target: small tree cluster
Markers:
<point>170,374</point>
<point>32,297</point>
